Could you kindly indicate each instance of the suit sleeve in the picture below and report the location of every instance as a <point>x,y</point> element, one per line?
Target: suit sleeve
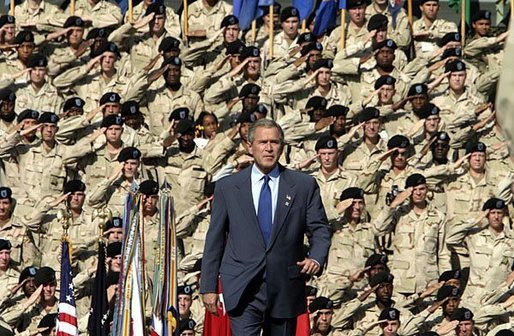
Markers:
<point>214,243</point>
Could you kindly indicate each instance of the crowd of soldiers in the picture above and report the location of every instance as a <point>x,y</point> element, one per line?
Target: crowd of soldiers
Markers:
<point>393,120</point>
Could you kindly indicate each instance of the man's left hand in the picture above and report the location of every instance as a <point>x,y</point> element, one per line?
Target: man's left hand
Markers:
<point>309,266</point>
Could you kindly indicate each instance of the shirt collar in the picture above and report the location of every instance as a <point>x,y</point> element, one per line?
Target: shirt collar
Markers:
<point>258,175</point>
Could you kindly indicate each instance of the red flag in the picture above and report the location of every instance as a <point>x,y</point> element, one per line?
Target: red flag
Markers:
<point>303,327</point>
<point>217,325</point>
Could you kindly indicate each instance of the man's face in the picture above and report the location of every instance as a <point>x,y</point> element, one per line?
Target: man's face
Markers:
<point>380,2</point>
<point>157,23</point>
<point>419,101</point>
<point>134,122</point>
<point>48,290</point>
<point>5,208</point>
<point>5,259</point>
<point>477,161</point>
<point>186,140</point>
<point>384,292</point>
<point>309,299</point>
<point>234,61</point>
<point>465,328</point>
<point>184,305</point>
<point>371,128</point>
<point>450,305</point>
<point>114,235</point>
<point>266,148</point>
<point>375,269</point>
<point>113,133</point>
<point>457,80</point>
<point>25,50</point>
<point>73,112</point>
<point>290,27</point>
<point>249,102</point>
<point>495,217</point>
<point>430,9</point>
<point>253,68</point>
<point>324,319</point>
<point>339,125</point>
<point>115,265</point>
<point>231,33</point>
<point>357,14</point>
<point>151,203</point>
<point>324,76</point>
<point>386,94</point>
<point>440,150</point>
<point>187,333</point>
<point>243,130</point>
<point>390,328</point>
<point>316,115</point>
<point>76,200</point>
<point>267,20</point>
<point>355,210</point>
<point>381,35</point>
<point>130,168</point>
<point>111,108</point>
<point>108,61</point>
<point>37,75</point>
<point>453,282</point>
<point>173,74</point>
<point>48,131</point>
<point>27,123</point>
<point>482,27</point>
<point>9,32</point>
<point>7,108</point>
<point>328,158</point>
<point>75,36</point>
<point>314,55</point>
<point>385,57</point>
<point>399,158</point>
<point>432,123</point>
<point>29,287</point>
<point>419,194</point>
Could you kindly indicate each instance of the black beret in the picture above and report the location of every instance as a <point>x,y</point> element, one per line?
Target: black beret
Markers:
<point>111,120</point>
<point>229,20</point>
<point>179,113</point>
<point>376,259</point>
<point>74,186</point>
<point>73,21</point>
<point>37,60</point>
<point>7,19</point>
<point>377,21</point>
<point>169,43</point>
<point>415,180</point>
<point>261,109</point>
<point>505,332</point>
<point>5,244</point>
<point>5,192</point>
<point>311,46</point>
<point>390,314</point>
<point>289,12</point>
<point>129,153</point>
<point>45,275</point>
<point>186,324</point>
<point>319,303</point>
<point>352,192</point>
<point>48,321</point>
<point>482,15</point>
<point>185,126</point>
<point>247,117</point>
<point>381,277</point>
<point>462,314</point>
<point>388,43</point>
<point>384,80</point>
<point>185,290</point>
<point>441,136</point>
<point>306,37</point>
<point>113,249</point>
<point>336,111</point>
<point>473,147</point>
<point>316,103</point>
<point>399,141</point>
<point>452,52</point>
<point>115,222</point>
<point>112,278</point>
<point>326,142</point>
<point>48,117</point>
<point>7,95</point>
<point>248,89</point>
<point>235,48</point>
<point>310,291</point>
<point>97,33</point>
<point>74,102</point>
<point>130,108</point>
<point>276,9</point>
<point>454,66</point>
<point>157,7</point>
<point>447,291</point>
<point>449,37</point>
<point>173,60</point>
<point>323,63</point>
<point>27,114</point>
<point>494,204</point>
<point>249,52</point>
<point>428,110</point>
<point>368,114</point>
<point>107,47</point>
<point>448,275</point>
<point>149,188</point>
<point>24,36</point>
<point>110,97</point>
<point>417,89</point>
<point>28,272</point>
<point>355,3</point>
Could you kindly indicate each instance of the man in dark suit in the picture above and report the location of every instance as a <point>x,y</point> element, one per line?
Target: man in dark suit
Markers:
<point>255,240</point>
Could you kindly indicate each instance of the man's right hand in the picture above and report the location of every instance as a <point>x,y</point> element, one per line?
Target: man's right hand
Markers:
<point>210,301</point>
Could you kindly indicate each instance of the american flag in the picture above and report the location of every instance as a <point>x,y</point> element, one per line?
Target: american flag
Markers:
<point>67,316</point>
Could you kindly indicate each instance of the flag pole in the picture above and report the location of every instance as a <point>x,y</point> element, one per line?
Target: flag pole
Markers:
<point>409,11</point>
<point>186,19</point>
<point>254,31</point>
<point>304,26</point>
<point>343,31</point>
<point>12,4</point>
<point>271,27</point>
<point>511,2</point>
<point>463,22</point>
<point>131,11</point>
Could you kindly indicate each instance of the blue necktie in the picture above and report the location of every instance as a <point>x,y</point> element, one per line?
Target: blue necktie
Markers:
<point>264,213</point>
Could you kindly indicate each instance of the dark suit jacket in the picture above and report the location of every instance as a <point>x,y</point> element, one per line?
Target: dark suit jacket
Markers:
<point>235,249</point>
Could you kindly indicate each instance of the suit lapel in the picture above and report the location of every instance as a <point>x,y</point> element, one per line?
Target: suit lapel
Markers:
<point>285,201</point>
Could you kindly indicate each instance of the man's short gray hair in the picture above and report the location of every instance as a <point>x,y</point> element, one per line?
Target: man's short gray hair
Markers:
<point>265,123</point>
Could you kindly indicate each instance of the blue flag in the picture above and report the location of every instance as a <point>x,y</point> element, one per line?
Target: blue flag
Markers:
<point>246,12</point>
<point>305,7</point>
<point>326,16</point>
<point>342,4</point>
<point>264,3</point>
